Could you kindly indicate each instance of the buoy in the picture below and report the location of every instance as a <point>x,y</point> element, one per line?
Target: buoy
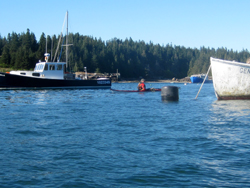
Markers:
<point>170,93</point>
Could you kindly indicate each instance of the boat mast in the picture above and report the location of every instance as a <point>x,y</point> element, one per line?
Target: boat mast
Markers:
<point>67,33</point>
<point>67,43</point>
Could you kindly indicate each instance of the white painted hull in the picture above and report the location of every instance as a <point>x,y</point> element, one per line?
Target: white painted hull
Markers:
<point>231,79</point>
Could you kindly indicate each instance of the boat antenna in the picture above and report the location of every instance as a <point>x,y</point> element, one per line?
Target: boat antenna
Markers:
<point>51,47</point>
<point>46,54</point>
<point>46,44</point>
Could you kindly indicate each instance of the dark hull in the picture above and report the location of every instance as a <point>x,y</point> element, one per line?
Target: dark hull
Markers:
<point>11,81</point>
<point>147,90</point>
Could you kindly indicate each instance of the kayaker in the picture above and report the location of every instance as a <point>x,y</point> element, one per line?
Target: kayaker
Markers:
<point>141,86</point>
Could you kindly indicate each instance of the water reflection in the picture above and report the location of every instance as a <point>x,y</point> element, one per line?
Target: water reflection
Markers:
<point>229,123</point>
<point>39,97</point>
<point>232,107</point>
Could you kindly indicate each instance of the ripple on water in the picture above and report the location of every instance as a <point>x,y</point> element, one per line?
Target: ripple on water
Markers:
<point>100,138</point>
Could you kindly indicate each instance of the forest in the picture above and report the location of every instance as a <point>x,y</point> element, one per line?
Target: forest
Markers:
<point>132,59</point>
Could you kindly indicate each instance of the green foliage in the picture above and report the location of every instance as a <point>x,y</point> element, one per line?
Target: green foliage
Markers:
<point>133,59</point>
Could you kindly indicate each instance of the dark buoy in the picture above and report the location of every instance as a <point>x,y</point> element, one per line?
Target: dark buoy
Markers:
<point>170,93</point>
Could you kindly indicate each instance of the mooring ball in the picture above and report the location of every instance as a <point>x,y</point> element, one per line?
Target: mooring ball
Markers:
<point>170,93</point>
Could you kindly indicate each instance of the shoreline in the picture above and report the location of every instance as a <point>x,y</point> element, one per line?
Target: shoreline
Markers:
<point>157,81</point>
<point>184,80</point>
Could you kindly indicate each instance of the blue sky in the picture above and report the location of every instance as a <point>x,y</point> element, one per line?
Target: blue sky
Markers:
<point>188,23</point>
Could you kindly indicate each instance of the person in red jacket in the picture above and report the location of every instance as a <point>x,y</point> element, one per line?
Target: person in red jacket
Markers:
<point>141,86</point>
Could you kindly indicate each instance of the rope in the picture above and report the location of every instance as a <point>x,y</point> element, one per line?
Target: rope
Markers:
<point>57,47</point>
<point>203,81</point>
<point>61,50</point>
<point>60,38</point>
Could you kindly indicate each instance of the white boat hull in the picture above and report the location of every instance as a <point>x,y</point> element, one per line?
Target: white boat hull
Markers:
<point>231,80</point>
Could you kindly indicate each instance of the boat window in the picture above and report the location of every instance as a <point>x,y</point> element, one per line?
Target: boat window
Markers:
<point>42,65</point>
<point>36,74</point>
<point>59,67</point>
<point>51,67</point>
<point>46,67</point>
<point>37,67</point>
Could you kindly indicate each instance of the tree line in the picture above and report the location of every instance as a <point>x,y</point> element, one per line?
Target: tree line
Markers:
<point>133,59</point>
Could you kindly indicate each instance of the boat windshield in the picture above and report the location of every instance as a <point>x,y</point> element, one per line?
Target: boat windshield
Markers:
<point>51,67</point>
<point>39,67</point>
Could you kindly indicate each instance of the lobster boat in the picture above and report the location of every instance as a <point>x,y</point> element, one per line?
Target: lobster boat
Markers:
<point>50,75</point>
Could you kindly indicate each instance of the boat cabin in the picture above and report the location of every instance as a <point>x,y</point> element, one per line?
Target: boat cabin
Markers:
<point>51,70</point>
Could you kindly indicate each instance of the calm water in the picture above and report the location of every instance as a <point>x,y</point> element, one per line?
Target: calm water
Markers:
<point>100,138</point>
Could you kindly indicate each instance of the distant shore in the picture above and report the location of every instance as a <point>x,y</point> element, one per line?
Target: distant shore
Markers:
<point>183,80</point>
<point>173,80</point>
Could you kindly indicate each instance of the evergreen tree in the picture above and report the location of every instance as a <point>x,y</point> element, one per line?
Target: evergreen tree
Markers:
<point>5,57</point>
<point>133,59</point>
<point>41,47</point>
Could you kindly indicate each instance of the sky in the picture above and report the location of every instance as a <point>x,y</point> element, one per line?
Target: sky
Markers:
<point>188,23</point>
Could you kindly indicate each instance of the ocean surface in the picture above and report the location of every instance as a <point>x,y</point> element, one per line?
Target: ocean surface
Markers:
<point>102,138</point>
